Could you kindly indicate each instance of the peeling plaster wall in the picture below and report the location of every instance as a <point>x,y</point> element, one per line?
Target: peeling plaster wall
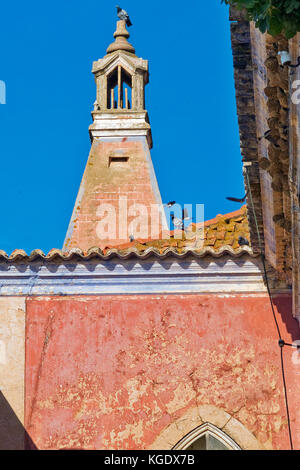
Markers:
<point>12,361</point>
<point>117,372</point>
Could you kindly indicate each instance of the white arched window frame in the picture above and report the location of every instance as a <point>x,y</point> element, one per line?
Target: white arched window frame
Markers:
<point>204,430</point>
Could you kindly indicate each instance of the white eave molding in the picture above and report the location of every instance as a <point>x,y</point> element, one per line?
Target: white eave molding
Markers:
<point>170,275</point>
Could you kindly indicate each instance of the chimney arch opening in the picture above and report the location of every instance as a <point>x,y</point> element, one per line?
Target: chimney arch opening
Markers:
<point>119,89</point>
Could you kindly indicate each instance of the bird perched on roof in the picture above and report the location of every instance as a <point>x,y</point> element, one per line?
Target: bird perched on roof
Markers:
<point>179,223</point>
<point>123,15</point>
<point>243,241</point>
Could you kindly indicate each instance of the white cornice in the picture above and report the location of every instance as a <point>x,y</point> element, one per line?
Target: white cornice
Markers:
<point>132,276</point>
<point>123,124</point>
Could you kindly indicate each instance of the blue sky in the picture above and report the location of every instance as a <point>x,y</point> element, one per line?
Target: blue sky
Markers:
<point>46,58</point>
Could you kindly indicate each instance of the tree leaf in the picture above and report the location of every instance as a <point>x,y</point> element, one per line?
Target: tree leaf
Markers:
<point>272,16</point>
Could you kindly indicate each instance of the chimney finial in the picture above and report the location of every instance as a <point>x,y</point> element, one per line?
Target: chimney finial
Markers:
<point>121,39</point>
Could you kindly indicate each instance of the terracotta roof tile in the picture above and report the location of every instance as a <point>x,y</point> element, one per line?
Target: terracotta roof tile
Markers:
<point>221,236</point>
<point>226,229</point>
<point>223,230</point>
<point>76,254</point>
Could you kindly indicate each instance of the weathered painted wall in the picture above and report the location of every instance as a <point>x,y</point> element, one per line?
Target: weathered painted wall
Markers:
<point>128,372</point>
<point>12,361</point>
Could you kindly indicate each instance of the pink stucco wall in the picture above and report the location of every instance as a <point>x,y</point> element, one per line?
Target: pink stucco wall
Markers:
<point>107,372</point>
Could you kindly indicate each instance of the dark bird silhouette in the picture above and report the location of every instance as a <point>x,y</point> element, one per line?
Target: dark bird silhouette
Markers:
<point>170,204</point>
<point>123,15</point>
<point>235,199</point>
<point>268,136</point>
<point>295,65</point>
<point>243,241</point>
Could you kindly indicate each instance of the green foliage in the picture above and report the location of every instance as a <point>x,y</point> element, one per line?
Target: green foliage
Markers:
<point>272,16</point>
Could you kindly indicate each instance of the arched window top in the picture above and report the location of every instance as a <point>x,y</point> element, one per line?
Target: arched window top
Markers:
<point>206,437</point>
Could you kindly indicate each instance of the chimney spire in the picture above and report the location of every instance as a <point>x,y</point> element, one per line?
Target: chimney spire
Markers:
<point>119,180</point>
